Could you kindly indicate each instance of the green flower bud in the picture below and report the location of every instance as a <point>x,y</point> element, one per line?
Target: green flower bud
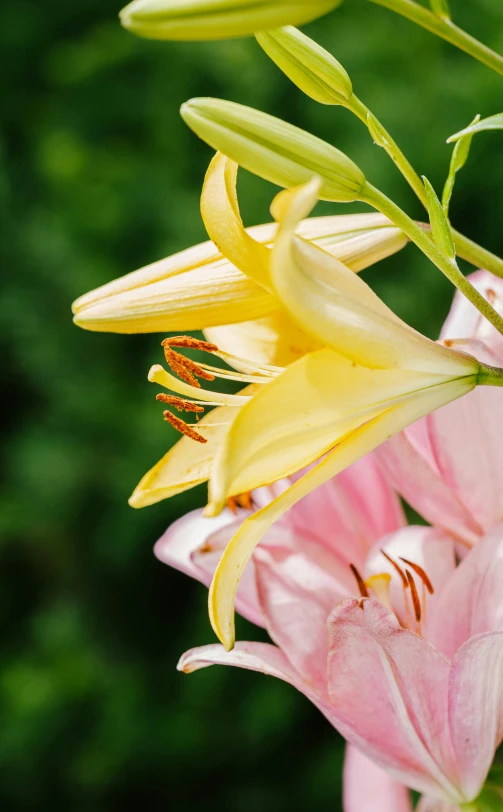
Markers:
<point>273,149</point>
<point>316,72</point>
<point>217,19</point>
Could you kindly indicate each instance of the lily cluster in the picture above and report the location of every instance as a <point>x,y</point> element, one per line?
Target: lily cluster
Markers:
<point>394,632</point>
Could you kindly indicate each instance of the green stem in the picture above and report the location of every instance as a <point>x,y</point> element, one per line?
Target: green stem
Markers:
<point>489,376</point>
<point>476,255</point>
<point>446,30</point>
<point>465,248</point>
<point>379,201</point>
<point>395,153</point>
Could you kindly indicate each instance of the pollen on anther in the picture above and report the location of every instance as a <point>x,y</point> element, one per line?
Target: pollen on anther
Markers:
<point>359,580</point>
<point>397,568</point>
<point>419,571</point>
<point>185,368</point>
<point>189,342</point>
<point>179,403</point>
<point>415,597</point>
<point>183,427</point>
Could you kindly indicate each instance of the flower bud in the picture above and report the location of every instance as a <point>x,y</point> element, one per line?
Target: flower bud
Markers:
<point>309,66</point>
<point>273,149</point>
<point>217,19</point>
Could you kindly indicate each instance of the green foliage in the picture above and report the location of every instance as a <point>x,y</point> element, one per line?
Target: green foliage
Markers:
<point>99,175</point>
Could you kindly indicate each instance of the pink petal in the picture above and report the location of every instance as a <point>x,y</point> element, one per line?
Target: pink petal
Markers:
<point>298,585</point>
<point>449,465</point>
<point>367,788</point>
<point>194,545</point>
<point>261,657</point>
<point>433,805</point>
<point>430,548</point>
<point>472,600</point>
<point>350,512</point>
<point>468,446</point>
<point>411,469</point>
<point>465,321</point>
<point>388,689</point>
<point>184,537</point>
<point>476,708</point>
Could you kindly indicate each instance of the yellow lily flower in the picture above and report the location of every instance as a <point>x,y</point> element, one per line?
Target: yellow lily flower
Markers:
<point>372,376</point>
<point>217,19</point>
<point>274,338</point>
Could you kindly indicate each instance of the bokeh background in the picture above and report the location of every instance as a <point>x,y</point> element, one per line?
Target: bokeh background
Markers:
<point>99,176</point>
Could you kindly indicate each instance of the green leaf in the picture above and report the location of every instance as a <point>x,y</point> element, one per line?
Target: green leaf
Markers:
<point>486,124</point>
<point>458,160</point>
<point>440,227</point>
<point>441,9</point>
<point>377,131</point>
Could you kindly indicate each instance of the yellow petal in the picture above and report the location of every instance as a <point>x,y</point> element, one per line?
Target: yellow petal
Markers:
<point>355,445</point>
<point>193,289</point>
<point>199,288</point>
<point>273,339</point>
<point>187,463</point>
<point>338,308</point>
<point>302,414</point>
<point>220,212</point>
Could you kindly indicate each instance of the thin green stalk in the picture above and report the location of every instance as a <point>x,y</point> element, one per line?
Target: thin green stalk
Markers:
<point>379,201</point>
<point>465,248</point>
<point>446,30</point>
<point>395,153</point>
<point>489,376</point>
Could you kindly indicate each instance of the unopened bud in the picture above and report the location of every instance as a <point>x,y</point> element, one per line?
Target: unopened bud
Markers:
<point>217,19</point>
<point>273,149</point>
<point>309,66</point>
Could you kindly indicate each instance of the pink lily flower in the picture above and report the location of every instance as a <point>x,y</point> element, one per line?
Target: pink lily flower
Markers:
<point>412,679</point>
<point>301,577</point>
<point>449,465</point>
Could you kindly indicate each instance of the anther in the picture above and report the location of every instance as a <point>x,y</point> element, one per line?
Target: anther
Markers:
<point>185,368</point>
<point>188,342</point>
<point>184,428</point>
<point>242,500</point>
<point>397,568</point>
<point>179,403</point>
<point>415,597</point>
<point>419,571</point>
<point>359,580</point>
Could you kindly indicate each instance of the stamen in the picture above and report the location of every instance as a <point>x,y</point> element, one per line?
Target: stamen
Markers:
<point>232,375</point>
<point>160,376</point>
<point>415,597</point>
<point>185,368</point>
<point>242,500</point>
<point>179,403</point>
<point>245,500</point>
<point>179,368</point>
<point>184,428</point>
<point>419,570</point>
<point>359,580</point>
<point>397,568</point>
<point>252,367</point>
<point>189,342</point>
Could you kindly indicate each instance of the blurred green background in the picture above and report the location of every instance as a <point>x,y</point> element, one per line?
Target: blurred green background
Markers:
<point>99,176</point>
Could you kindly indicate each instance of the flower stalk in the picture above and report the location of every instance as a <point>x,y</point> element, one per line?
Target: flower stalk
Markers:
<point>421,238</point>
<point>445,29</point>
